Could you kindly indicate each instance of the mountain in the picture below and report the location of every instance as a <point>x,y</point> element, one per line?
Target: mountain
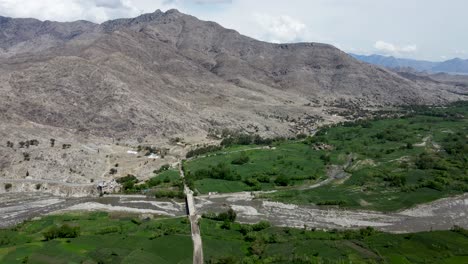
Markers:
<point>392,62</point>
<point>166,73</point>
<point>85,94</point>
<point>451,66</point>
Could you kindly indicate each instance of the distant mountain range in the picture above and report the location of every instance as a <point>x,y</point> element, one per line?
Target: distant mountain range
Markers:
<point>456,65</point>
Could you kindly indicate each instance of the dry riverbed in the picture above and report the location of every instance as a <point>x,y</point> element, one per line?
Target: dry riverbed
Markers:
<point>438,215</point>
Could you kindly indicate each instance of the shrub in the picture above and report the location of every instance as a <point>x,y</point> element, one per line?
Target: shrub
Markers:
<point>261,177</point>
<point>8,186</point>
<point>282,180</point>
<point>396,180</point>
<point>228,216</point>
<point>332,202</point>
<point>64,231</point>
<point>241,160</point>
<point>261,225</point>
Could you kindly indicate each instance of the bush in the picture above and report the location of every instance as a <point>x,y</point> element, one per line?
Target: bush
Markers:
<point>241,160</point>
<point>332,202</point>
<point>261,177</point>
<point>282,181</point>
<point>425,161</point>
<point>396,180</point>
<point>261,225</point>
<point>64,231</point>
<point>8,186</point>
<point>245,229</point>
<point>228,216</point>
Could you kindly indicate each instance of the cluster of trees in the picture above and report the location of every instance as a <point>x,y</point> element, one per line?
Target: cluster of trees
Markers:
<point>66,146</point>
<point>148,150</point>
<point>169,194</point>
<point>395,134</point>
<point>221,171</point>
<point>26,156</point>
<point>202,150</point>
<point>237,138</point>
<point>64,231</point>
<point>28,143</point>
<point>128,183</point>
<point>228,216</point>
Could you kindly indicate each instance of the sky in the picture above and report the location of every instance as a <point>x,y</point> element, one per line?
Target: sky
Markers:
<point>420,29</point>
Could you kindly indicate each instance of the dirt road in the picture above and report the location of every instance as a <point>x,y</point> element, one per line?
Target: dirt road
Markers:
<point>196,237</point>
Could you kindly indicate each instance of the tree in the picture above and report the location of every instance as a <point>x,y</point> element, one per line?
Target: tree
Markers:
<point>282,180</point>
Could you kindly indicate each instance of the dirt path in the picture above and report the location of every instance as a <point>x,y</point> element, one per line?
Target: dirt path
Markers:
<point>194,225</point>
<point>229,152</point>
<point>68,184</point>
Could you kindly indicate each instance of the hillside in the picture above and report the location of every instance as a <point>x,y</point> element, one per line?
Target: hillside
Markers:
<point>106,88</point>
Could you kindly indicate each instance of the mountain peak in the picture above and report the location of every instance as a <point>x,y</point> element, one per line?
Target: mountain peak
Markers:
<point>173,11</point>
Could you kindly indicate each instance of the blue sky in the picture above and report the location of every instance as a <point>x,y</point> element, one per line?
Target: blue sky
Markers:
<point>420,29</point>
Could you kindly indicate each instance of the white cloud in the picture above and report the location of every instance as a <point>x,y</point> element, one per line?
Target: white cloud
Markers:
<point>281,28</point>
<point>213,2</point>
<point>69,10</point>
<point>389,48</point>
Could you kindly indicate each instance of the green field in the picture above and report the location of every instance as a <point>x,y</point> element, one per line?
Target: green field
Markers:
<point>294,161</point>
<point>241,244</point>
<point>393,163</point>
<point>103,238</point>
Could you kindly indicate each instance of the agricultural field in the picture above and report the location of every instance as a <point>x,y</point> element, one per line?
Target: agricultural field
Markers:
<point>386,164</point>
<point>97,238</point>
<point>283,165</point>
<point>261,243</point>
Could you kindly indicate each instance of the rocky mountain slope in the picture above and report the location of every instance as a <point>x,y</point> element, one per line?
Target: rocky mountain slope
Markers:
<point>165,74</point>
<point>169,72</point>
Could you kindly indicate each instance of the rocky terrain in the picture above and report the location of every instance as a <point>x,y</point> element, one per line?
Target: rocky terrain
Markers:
<point>101,90</point>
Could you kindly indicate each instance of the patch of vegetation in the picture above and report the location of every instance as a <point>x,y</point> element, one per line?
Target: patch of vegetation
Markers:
<point>167,184</point>
<point>64,231</point>
<point>128,183</point>
<point>241,160</point>
<point>228,216</point>
<point>253,168</point>
<point>261,243</point>
<point>395,163</point>
<point>202,150</point>
<point>102,238</point>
